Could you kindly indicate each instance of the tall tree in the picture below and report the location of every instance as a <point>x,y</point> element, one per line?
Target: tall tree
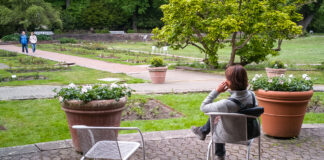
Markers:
<point>103,14</point>
<point>309,10</point>
<point>250,27</point>
<point>26,15</point>
<point>317,24</point>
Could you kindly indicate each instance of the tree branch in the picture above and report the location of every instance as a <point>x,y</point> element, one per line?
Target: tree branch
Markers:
<point>200,39</point>
<point>194,44</point>
<point>279,45</point>
<point>245,42</point>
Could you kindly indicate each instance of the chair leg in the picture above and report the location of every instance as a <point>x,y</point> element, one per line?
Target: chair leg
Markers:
<point>209,149</point>
<point>248,152</point>
<point>248,149</point>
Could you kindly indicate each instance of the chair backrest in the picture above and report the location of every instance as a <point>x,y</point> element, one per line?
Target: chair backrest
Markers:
<point>88,136</point>
<point>253,129</point>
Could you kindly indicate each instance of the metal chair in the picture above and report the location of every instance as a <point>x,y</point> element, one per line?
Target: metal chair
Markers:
<point>102,143</point>
<point>248,142</point>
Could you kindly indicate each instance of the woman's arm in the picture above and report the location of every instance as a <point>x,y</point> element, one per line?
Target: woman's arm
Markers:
<point>208,105</point>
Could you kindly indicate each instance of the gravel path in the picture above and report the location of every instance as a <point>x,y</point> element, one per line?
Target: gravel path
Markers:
<point>177,81</point>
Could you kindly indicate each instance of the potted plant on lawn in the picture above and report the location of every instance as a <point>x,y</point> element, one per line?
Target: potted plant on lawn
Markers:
<point>284,99</point>
<point>93,105</point>
<point>157,70</point>
<point>275,69</point>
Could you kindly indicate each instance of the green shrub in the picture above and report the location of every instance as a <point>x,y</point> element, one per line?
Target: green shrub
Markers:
<point>16,37</point>
<point>11,37</point>
<point>67,40</point>
<point>276,64</point>
<point>131,31</point>
<point>320,67</point>
<point>157,62</point>
<point>106,30</point>
<point>44,37</point>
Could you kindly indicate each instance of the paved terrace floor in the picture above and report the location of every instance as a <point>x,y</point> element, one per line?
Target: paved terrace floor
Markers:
<point>183,145</point>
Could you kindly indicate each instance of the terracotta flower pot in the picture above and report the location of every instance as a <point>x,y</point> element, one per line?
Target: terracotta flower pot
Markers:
<point>271,72</point>
<point>283,111</point>
<point>157,74</point>
<point>93,113</point>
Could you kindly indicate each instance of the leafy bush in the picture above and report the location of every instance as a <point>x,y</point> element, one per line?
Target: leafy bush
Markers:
<point>320,67</point>
<point>282,83</point>
<point>11,37</point>
<point>43,37</point>
<point>67,40</point>
<point>157,62</point>
<point>16,37</point>
<point>131,31</point>
<point>106,30</point>
<point>276,64</point>
<point>96,92</point>
<point>4,53</point>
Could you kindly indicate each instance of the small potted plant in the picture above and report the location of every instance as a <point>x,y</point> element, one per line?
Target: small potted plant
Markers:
<point>93,105</point>
<point>284,99</point>
<point>157,70</point>
<point>275,69</point>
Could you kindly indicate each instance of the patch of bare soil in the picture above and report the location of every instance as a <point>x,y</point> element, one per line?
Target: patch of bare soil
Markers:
<point>110,56</point>
<point>148,109</point>
<point>2,127</point>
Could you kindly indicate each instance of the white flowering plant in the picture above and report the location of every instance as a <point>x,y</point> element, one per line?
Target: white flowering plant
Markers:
<point>89,93</point>
<point>282,83</point>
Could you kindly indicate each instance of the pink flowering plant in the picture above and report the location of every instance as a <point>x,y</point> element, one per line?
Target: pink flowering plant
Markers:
<point>283,83</point>
<point>89,93</point>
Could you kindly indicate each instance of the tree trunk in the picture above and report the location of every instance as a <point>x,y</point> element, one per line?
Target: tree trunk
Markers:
<point>306,21</point>
<point>67,3</point>
<point>232,59</point>
<point>134,25</point>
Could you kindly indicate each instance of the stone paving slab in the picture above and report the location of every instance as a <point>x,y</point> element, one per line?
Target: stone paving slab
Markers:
<point>26,149</point>
<point>27,92</point>
<point>170,145</point>
<point>3,66</point>
<point>45,146</point>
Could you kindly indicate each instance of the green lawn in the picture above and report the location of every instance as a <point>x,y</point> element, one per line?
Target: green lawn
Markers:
<point>304,50</point>
<point>76,74</point>
<point>41,120</point>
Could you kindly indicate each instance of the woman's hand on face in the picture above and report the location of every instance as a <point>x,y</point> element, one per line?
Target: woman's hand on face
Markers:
<point>222,87</point>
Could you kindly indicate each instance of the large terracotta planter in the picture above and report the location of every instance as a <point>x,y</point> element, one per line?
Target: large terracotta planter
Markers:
<point>93,113</point>
<point>157,74</point>
<point>283,111</point>
<point>271,72</point>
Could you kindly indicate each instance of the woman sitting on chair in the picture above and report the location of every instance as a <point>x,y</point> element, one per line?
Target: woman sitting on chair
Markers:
<point>229,129</point>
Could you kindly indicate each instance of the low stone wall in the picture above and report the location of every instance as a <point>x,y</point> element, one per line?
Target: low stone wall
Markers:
<point>107,37</point>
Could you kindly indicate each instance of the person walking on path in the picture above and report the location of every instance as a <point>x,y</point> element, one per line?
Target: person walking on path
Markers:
<point>24,42</point>
<point>33,41</point>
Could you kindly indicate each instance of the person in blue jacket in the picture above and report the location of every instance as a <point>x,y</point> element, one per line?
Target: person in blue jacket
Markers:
<point>24,41</point>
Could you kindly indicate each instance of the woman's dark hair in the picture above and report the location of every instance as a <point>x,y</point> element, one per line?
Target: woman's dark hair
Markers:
<point>237,76</point>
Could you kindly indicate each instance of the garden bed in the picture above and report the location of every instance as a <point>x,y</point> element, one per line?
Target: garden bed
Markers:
<point>148,109</point>
<point>23,78</point>
<point>36,69</point>
<point>100,51</point>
